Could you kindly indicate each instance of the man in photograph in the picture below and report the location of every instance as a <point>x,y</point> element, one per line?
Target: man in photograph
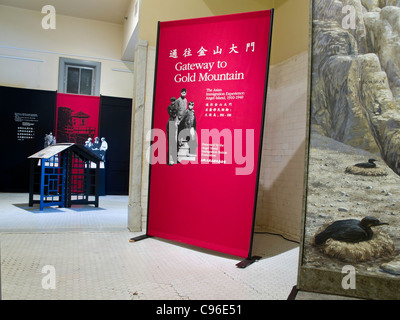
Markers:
<point>181,107</point>
<point>189,128</point>
<point>172,133</point>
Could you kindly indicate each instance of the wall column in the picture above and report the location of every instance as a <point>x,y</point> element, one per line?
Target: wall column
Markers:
<point>136,158</point>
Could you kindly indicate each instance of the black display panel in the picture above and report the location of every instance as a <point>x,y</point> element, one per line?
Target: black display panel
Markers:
<point>115,126</point>
<point>26,116</point>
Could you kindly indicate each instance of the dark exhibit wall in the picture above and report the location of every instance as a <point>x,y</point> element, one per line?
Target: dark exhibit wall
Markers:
<point>115,125</point>
<point>25,117</point>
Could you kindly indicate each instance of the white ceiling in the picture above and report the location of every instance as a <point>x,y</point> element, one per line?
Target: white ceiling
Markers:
<point>112,11</point>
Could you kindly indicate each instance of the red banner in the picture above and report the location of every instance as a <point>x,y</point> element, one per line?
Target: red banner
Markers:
<point>77,118</point>
<point>208,116</point>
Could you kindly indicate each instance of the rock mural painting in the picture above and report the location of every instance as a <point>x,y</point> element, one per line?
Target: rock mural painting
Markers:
<point>356,77</point>
<point>354,155</point>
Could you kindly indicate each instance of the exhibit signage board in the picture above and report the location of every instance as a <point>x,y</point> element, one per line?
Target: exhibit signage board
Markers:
<point>26,115</point>
<point>208,115</point>
<point>32,118</point>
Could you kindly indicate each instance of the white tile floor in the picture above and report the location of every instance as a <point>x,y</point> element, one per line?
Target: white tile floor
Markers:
<point>92,257</point>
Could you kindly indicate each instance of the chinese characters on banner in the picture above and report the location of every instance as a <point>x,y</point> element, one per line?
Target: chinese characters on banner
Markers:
<point>203,52</point>
<point>208,116</point>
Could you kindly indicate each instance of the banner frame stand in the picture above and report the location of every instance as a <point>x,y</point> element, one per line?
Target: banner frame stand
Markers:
<point>250,259</point>
<point>139,238</point>
<point>247,262</point>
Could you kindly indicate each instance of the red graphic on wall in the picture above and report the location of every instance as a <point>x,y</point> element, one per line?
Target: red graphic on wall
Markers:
<point>77,118</point>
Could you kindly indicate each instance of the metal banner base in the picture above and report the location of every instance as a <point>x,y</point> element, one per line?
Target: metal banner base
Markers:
<point>247,262</point>
<point>138,238</point>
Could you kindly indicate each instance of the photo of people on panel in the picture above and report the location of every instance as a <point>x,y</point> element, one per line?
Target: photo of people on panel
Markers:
<point>181,130</point>
<point>98,147</point>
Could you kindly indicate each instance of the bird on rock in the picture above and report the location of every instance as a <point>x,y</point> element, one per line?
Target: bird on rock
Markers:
<point>367,165</point>
<point>350,230</point>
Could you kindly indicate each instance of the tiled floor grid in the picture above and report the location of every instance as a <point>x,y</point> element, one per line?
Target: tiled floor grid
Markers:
<point>84,253</point>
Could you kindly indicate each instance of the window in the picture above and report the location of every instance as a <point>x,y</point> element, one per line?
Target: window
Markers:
<point>79,77</point>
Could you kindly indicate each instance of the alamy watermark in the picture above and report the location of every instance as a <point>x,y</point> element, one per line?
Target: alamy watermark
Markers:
<point>349,281</point>
<point>49,280</point>
<point>49,20</point>
<point>349,20</point>
<point>222,147</point>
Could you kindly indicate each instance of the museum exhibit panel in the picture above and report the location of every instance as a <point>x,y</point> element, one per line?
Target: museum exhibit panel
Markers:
<point>208,116</point>
<point>350,245</point>
<point>30,116</point>
<point>64,174</point>
<point>115,125</point>
<point>26,116</point>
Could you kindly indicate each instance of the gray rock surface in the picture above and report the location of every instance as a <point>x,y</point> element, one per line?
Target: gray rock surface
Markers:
<point>356,76</point>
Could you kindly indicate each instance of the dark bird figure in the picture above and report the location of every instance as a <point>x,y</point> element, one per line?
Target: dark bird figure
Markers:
<point>367,165</point>
<point>350,230</point>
